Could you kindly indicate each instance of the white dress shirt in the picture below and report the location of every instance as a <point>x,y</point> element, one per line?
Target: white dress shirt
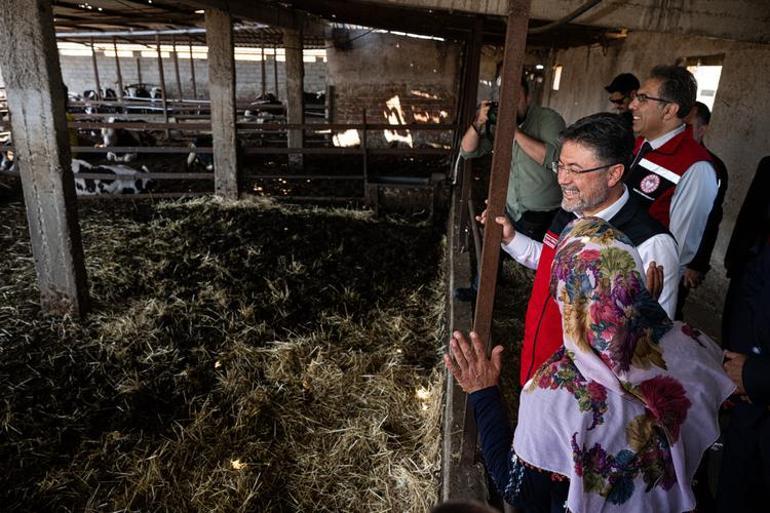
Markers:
<point>660,249</point>
<point>691,203</point>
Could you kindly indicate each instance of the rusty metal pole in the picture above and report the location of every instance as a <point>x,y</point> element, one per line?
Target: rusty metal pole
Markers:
<point>275,71</point>
<point>118,71</point>
<point>513,59</point>
<point>263,70</point>
<point>365,154</point>
<point>162,82</point>
<point>465,117</point>
<point>176,70</point>
<point>192,71</point>
<point>96,72</point>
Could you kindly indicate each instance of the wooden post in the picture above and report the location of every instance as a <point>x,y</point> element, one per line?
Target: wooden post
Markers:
<point>263,70</point>
<point>192,70</point>
<point>219,37</point>
<point>138,69</point>
<point>275,71</point>
<point>162,82</point>
<point>176,70</point>
<point>30,63</point>
<point>96,72</point>
<point>117,70</point>
<point>295,105</point>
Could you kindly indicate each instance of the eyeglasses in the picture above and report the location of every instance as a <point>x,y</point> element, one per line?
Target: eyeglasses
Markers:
<point>643,98</point>
<point>558,166</point>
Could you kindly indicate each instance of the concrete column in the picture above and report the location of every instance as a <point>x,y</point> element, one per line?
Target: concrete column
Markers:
<point>295,105</point>
<point>30,63</point>
<point>219,38</point>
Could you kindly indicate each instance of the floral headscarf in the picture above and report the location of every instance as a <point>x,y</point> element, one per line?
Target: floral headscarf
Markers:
<point>626,408</point>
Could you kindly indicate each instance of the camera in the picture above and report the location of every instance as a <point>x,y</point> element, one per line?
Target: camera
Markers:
<point>492,113</point>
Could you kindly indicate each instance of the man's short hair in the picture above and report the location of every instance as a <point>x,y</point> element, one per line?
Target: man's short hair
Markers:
<point>623,83</point>
<point>678,86</point>
<point>702,112</point>
<point>607,134</point>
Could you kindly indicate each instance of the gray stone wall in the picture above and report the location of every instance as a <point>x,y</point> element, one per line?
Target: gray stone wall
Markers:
<point>78,74</point>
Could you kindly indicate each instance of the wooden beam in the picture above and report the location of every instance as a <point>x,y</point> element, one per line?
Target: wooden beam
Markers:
<point>221,57</point>
<point>35,91</point>
<point>295,101</point>
<point>273,14</point>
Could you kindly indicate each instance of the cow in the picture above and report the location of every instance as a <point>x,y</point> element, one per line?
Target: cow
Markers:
<point>117,179</point>
<point>201,160</point>
<point>122,137</point>
<point>108,95</point>
<point>265,108</point>
<point>6,155</point>
<point>197,160</point>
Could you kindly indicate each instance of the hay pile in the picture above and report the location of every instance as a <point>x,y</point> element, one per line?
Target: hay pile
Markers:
<point>241,357</point>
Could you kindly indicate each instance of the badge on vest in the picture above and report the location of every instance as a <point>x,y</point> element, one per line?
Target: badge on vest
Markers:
<point>650,183</point>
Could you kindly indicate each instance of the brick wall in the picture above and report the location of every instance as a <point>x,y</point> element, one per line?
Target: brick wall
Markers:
<point>78,74</point>
<point>396,79</point>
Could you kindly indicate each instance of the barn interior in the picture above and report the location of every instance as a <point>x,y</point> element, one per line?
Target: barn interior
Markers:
<point>324,111</point>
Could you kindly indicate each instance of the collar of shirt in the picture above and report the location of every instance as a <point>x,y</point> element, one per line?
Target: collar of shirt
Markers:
<point>609,212</point>
<point>663,139</point>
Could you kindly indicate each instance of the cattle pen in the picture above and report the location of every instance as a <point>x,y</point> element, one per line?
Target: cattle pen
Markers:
<point>236,234</point>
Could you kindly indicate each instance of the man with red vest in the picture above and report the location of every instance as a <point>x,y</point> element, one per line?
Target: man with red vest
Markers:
<point>672,174</point>
<point>595,152</point>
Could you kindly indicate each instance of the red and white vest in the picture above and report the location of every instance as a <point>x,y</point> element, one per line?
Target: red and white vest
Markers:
<point>654,178</point>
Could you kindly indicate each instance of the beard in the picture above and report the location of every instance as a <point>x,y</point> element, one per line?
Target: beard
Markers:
<point>580,201</point>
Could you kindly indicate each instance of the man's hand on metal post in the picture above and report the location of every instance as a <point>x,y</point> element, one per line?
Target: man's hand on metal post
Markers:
<point>508,229</point>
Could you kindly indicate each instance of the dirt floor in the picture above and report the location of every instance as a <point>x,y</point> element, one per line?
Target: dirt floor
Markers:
<point>240,356</point>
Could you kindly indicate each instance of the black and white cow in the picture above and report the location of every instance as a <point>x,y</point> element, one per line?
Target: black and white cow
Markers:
<point>89,95</point>
<point>265,109</point>
<point>6,155</point>
<point>123,137</point>
<point>117,179</point>
<point>196,160</point>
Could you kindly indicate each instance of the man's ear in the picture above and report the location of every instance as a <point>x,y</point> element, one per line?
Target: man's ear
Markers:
<point>615,174</point>
<point>671,110</point>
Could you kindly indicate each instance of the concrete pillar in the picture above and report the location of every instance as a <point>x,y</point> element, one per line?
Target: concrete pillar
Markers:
<point>219,38</point>
<point>295,104</point>
<point>30,63</point>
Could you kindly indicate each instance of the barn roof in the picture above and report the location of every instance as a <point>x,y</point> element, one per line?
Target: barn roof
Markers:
<point>320,19</point>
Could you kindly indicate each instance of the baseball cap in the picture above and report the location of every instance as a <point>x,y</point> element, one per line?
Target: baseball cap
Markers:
<point>623,83</point>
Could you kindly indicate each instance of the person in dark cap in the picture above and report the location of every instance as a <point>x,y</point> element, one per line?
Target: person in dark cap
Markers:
<point>622,90</point>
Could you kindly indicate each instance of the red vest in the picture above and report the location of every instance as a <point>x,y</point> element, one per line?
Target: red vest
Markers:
<point>655,177</point>
<point>542,324</point>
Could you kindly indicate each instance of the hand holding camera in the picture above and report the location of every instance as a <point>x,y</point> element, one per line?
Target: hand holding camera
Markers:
<point>485,114</point>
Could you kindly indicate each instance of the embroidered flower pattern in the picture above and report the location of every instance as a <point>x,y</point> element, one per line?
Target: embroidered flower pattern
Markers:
<point>559,372</point>
<point>609,319</point>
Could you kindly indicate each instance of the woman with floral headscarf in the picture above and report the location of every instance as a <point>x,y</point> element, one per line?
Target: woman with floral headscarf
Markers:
<point>619,417</point>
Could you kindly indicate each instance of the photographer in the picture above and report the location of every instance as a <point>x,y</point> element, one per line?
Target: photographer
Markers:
<point>533,193</point>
